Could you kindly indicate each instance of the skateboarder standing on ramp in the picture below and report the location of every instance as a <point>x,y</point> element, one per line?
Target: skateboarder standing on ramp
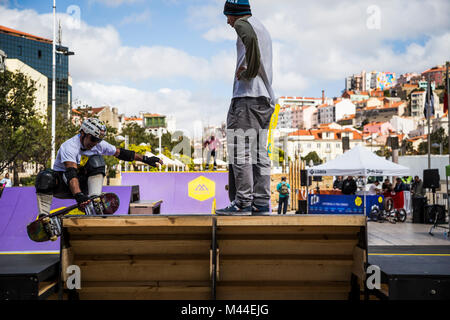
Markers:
<point>249,114</point>
<point>69,180</point>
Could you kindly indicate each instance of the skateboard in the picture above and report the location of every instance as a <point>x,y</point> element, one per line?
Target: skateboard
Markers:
<point>50,227</point>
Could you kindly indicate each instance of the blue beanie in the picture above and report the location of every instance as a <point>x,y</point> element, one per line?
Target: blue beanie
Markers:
<point>237,8</point>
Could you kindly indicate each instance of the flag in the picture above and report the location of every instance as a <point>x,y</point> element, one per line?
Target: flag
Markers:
<point>446,101</point>
<point>446,92</point>
<point>429,102</point>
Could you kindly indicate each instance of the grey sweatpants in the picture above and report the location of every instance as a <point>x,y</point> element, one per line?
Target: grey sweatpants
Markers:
<point>247,128</point>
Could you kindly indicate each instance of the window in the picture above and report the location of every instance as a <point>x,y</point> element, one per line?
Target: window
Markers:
<point>318,146</point>
<point>19,50</point>
<point>39,54</point>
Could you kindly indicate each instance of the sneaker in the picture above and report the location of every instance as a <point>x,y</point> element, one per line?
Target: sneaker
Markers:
<point>234,210</point>
<point>260,210</point>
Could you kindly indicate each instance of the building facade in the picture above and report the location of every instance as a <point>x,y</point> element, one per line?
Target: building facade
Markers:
<point>41,84</point>
<point>36,52</point>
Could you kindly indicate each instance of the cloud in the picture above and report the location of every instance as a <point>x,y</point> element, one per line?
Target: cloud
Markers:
<point>183,104</point>
<point>115,3</point>
<point>137,18</point>
<point>322,41</point>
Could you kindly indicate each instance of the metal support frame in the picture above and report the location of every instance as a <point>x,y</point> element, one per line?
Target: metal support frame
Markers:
<point>214,248</point>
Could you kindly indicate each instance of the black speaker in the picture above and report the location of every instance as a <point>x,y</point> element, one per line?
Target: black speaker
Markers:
<point>431,211</point>
<point>345,143</point>
<point>418,206</point>
<point>317,178</point>
<point>431,179</point>
<point>303,175</point>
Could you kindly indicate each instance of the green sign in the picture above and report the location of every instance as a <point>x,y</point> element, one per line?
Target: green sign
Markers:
<point>447,169</point>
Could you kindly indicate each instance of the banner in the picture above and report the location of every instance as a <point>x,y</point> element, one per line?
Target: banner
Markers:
<point>342,204</point>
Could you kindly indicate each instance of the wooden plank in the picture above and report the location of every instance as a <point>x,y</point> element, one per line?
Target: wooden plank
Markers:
<point>284,270</point>
<point>140,230</point>
<point>67,257</point>
<point>143,292</point>
<point>283,291</point>
<point>139,269</point>
<point>290,246</point>
<point>299,220</point>
<point>140,247</point>
<point>137,221</point>
<point>287,230</point>
<point>359,262</point>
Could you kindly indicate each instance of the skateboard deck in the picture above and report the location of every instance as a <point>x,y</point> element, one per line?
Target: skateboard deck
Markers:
<point>49,227</point>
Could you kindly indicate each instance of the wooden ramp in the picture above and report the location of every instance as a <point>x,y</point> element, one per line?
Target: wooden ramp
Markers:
<point>171,257</point>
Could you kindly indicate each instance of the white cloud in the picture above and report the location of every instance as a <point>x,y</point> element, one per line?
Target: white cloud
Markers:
<point>115,3</point>
<point>137,18</point>
<point>183,104</point>
<point>321,41</point>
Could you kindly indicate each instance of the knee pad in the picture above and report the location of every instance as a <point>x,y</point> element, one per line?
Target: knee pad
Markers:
<point>46,181</point>
<point>95,165</point>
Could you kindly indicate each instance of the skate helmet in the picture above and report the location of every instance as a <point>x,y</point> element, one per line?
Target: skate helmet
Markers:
<point>94,127</point>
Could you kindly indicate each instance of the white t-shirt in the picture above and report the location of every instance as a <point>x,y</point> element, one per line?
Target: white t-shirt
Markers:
<point>373,189</point>
<point>70,151</point>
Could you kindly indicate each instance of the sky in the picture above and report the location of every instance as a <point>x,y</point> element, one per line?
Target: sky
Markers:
<point>177,57</point>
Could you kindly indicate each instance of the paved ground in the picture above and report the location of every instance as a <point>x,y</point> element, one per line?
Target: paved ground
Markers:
<point>405,234</point>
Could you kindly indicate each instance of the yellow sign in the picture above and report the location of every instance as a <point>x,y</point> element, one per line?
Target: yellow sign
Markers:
<point>272,126</point>
<point>380,199</point>
<point>202,189</point>
<point>358,201</point>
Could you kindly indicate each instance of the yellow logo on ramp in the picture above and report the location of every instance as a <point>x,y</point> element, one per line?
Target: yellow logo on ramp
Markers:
<point>358,201</point>
<point>202,189</point>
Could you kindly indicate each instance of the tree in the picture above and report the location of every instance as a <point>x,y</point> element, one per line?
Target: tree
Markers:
<point>438,137</point>
<point>16,113</point>
<point>312,156</point>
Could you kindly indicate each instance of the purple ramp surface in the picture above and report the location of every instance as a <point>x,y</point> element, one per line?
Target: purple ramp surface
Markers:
<point>173,188</point>
<point>18,207</point>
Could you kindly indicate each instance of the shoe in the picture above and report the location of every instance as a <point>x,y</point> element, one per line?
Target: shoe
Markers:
<point>234,210</point>
<point>260,210</point>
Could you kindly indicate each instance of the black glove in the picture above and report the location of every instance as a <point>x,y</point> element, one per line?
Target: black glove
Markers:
<point>152,161</point>
<point>81,198</point>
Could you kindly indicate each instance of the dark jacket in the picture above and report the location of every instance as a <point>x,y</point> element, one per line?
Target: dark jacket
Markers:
<point>349,186</point>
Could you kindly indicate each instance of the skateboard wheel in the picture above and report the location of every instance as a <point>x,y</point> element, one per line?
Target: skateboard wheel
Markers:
<point>54,238</point>
<point>46,220</point>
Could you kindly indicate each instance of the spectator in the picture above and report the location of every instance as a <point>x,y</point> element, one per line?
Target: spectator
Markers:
<point>349,186</point>
<point>373,189</point>
<point>212,145</point>
<point>399,185</point>
<point>283,189</point>
<point>5,183</point>
<point>387,186</point>
<point>360,183</point>
<point>337,185</point>
<point>417,190</point>
<point>407,180</point>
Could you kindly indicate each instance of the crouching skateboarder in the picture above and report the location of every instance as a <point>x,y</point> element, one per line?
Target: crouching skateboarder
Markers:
<point>69,180</point>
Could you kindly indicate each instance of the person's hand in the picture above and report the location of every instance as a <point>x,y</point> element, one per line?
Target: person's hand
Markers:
<point>239,71</point>
<point>82,199</point>
<point>152,161</point>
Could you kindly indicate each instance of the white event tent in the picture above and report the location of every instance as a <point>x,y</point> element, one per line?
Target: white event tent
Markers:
<point>359,161</point>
